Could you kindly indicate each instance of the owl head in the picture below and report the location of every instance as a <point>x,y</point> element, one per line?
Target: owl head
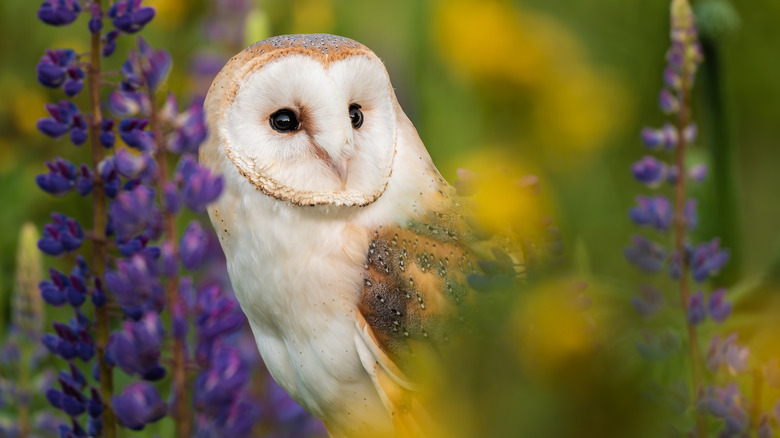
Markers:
<point>306,119</point>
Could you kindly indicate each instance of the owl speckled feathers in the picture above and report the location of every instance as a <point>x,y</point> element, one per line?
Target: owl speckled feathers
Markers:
<point>345,246</point>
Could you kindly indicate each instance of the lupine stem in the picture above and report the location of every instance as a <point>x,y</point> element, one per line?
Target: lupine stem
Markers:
<point>181,415</point>
<point>99,253</point>
<point>683,118</point>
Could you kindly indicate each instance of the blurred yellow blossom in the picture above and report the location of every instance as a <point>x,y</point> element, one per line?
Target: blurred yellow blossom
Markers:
<point>552,327</point>
<point>575,105</point>
<point>502,192</point>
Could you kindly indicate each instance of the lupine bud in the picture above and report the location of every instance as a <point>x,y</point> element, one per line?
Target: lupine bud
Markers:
<point>129,16</point>
<point>132,132</point>
<point>60,179</point>
<point>59,12</point>
<point>190,130</point>
<point>109,42</point>
<point>136,348</point>
<point>198,186</point>
<point>145,67</point>
<point>719,308</point>
<point>61,120</point>
<point>216,388</point>
<point>132,211</point>
<point>708,259</point>
<point>668,102</point>
<point>649,171</point>
<point>65,234</point>
<point>646,255</point>
<point>138,405</point>
<point>649,302</point>
<point>192,247</point>
<point>135,285</point>
<point>698,173</point>
<point>56,66</point>
<point>696,311</point>
<point>96,20</point>
<point>655,212</point>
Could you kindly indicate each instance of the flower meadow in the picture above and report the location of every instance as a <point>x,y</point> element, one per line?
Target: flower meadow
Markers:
<point>650,308</point>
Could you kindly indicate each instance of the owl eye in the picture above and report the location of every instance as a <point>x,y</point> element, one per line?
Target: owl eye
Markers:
<point>284,120</point>
<point>355,115</point>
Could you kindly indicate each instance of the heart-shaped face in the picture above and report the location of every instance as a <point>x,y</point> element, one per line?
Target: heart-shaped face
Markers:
<point>307,119</point>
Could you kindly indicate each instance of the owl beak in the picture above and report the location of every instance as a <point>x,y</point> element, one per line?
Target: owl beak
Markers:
<point>340,168</point>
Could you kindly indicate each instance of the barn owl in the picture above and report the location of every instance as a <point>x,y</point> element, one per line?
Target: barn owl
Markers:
<point>345,246</point>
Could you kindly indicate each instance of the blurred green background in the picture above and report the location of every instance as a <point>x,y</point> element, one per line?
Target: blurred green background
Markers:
<point>562,87</point>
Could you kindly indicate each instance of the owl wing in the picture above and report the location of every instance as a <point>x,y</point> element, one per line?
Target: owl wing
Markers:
<point>415,284</point>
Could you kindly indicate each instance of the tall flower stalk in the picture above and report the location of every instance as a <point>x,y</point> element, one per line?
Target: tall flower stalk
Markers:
<point>689,264</point>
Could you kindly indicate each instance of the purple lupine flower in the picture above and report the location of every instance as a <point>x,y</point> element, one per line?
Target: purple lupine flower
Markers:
<point>145,67</point>
<point>129,16</point>
<point>56,66</point>
<point>288,417</point>
<point>645,254</point>
<point>109,42</point>
<point>690,215</point>
<point>107,137</point>
<point>190,129</point>
<point>655,138</point>
<point>64,235</point>
<point>649,302</point>
<point>696,311</point>
<point>61,120</point>
<point>138,405</point>
<point>192,247</point>
<point>133,133</point>
<point>237,419</point>
<point>218,387</point>
<point>170,198</point>
<point>649,171</point>
<point>53,292</point>
<point>170,263</point>
<point>727,353</point>
<point>70,341</point>
<point>668,102</point>
<point>776,411</point>
<point>672,78</point>
<point>60,179</point>
<point>708,259</point>
<point>690,132</point>
<point>199,187</point>
<point>736,420</point>
<point>136,286</point>
<point>719,308</point>
<point>718,401</point>
<point>111,180</point>
<point>132,211</point>
<point>59,12</point>
<point>128,103</point>
<point>218,316</point>
<point>654,212</point>
<point>96,19</point>
<point>84,180</point>
<point>128,164</point>
<point>698,173</point>
<point>136,348</point>
<point>78,132</point>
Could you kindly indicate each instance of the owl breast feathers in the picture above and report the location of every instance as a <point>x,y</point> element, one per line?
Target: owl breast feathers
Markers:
<point>346,248</point>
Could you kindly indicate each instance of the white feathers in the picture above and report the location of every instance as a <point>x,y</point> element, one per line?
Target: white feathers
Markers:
<point>294,234</point>
<point>298,166</point>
